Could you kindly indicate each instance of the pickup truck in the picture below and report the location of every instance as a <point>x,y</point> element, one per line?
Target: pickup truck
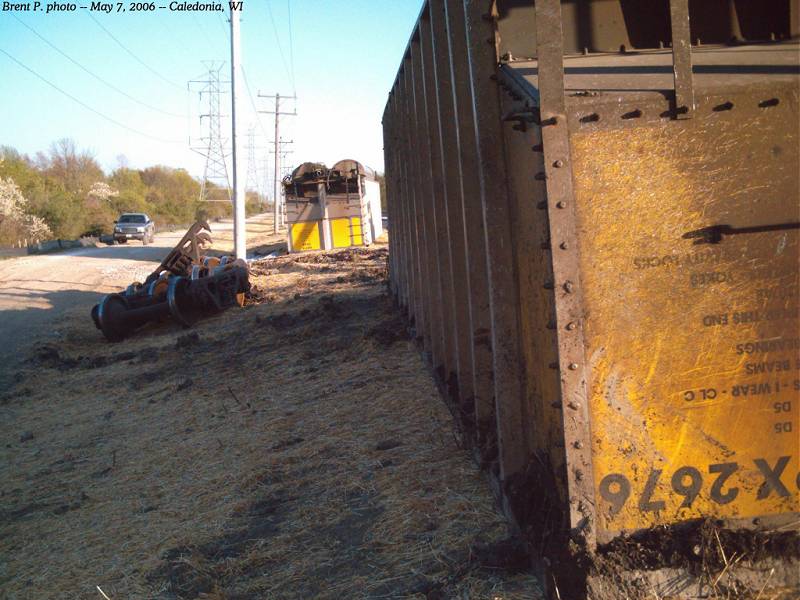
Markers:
<point>134,226</point>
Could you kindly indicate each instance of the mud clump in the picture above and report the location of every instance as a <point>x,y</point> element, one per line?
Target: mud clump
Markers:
<point>49,357</point>
<point>388,332</point>
<point>698,545</point>
<point>284,444</point>
<point>187,341</point>
<point>388,445</point>
<point>329,306</point>
<point>191,571</point>
<point>348,255</point>
<point>507,555</point>
<point>281,321</point>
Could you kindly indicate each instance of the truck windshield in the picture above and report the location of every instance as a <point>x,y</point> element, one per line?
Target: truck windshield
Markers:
<point>132,219</point>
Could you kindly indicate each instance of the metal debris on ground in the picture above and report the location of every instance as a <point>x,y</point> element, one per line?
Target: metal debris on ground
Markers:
<point>186,286</point>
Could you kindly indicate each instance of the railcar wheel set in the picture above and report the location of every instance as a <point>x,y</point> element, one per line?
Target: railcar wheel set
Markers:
<point>185,287</point>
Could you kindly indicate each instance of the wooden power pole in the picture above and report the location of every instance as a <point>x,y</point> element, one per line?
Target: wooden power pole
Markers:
<point>276,198</point>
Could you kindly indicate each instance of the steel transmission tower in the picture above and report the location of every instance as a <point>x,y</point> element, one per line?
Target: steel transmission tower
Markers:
<point>255,181</point>
<point>285,169</point>
<point>216,184</point>
<point>252,167</point>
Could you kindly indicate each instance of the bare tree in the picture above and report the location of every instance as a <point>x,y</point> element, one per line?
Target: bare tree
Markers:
<point>75,170</point>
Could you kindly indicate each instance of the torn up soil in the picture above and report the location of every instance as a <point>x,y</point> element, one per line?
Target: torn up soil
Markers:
<point>698,559</point>
<point>296,448</point>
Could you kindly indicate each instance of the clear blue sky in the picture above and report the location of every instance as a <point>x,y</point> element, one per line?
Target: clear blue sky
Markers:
<point>345,56</point>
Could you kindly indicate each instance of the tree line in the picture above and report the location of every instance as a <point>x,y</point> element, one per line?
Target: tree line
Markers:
<point>63,193</point>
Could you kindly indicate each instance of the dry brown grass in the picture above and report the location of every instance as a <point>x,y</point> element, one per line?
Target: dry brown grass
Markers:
<point>296,448</point>
<point>259,234</point>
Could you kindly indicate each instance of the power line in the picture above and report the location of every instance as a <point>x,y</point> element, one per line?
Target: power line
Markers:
<point>221,22</point>
<point>253,103</point>
<point>95,75</point>
<point>136,58</point>
<point>291,43</point>
<point>252,166</point>
<point>87,107</point>
<point>177,41</point>
<point>280,48</point>
<point>200,28</point>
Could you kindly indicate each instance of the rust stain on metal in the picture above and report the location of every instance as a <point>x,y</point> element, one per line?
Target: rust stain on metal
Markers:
<point>694,348</point>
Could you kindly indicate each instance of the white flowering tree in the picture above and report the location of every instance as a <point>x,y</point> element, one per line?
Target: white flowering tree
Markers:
<point>102,191</point>
<point>16,223</point>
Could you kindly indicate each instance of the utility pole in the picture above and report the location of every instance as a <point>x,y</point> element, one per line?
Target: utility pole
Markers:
<point>276,200</point>
<point>215,186</point>
<point>283,152</point>
<point>282,171</point>
<point>239,231</point>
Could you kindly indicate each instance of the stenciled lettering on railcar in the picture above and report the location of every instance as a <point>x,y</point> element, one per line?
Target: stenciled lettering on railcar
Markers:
<point>716,481</point>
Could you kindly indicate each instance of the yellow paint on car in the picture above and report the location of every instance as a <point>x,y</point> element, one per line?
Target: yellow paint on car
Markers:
<point>692,348</point>
<point>347,232</point>
<point>305,236</point>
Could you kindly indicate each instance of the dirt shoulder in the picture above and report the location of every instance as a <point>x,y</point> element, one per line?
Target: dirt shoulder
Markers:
<point>296,448</point>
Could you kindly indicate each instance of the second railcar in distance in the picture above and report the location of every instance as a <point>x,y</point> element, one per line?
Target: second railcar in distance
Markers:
<point>332,208</point>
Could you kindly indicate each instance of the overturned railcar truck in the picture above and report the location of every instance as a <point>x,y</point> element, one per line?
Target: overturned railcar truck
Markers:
<point>595,233</point>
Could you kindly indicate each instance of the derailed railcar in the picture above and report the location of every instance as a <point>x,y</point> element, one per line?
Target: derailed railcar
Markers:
<point>596,235</point>
<point>304,191</point>
<point>332,208</point>
<point>353,204</point>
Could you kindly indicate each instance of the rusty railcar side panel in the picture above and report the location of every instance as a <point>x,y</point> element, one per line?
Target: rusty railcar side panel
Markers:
<point>732,166</point>
<point>434,329</point>
<point>466,152</point>
<point>393,190</point>
<point>405,272</point>
<point>404,200</point>
<point>438,200</point>
<point>631,253</point>
<point>567,279</point>
<point>461,385</point>
<point>513,446</point>
<point>681,59</point>
<point>693,335</point>
<point>596,26</point>
<point>416,216</point>
<point>539,342</point>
